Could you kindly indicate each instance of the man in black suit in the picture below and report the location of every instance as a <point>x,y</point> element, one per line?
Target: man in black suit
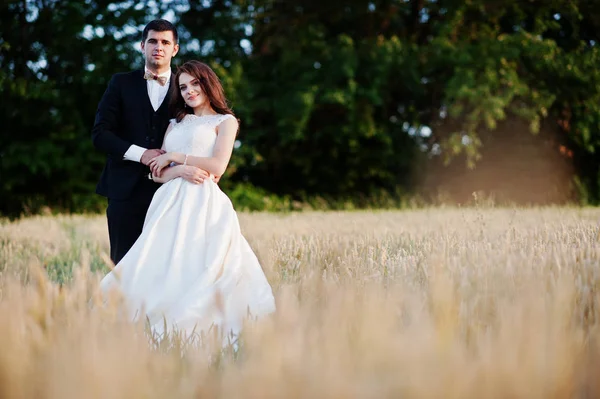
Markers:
<point>130,124</point>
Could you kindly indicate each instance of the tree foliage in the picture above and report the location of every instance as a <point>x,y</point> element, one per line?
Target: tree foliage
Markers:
<point>336,98</point>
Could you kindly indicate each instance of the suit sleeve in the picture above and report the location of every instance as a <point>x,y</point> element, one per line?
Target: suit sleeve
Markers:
<point>104,136</point>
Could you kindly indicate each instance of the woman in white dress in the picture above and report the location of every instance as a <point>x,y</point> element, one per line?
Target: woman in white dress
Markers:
<point>191,266</point>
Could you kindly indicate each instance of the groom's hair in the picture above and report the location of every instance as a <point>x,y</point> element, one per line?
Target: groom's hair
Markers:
<point>160,25</point>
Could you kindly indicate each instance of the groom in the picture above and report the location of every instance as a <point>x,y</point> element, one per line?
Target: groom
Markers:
<point>130,124</point>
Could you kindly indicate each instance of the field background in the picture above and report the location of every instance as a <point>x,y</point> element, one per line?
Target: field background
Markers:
<point>428,303</point>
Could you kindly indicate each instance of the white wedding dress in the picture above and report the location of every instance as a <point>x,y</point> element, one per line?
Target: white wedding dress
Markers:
<point>191,267</point>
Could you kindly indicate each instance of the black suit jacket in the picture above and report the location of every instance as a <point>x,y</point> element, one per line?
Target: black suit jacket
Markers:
<point>125,116</point>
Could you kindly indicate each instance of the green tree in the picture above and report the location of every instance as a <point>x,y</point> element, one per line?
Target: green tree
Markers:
<point>318,109</point>
<point>55,60</point>
<point>337,99</point>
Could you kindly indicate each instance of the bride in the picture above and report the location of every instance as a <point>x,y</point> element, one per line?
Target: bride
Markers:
<point>191,269</point>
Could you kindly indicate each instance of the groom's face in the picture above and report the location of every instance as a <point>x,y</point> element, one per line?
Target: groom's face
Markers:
<point>158,49</point>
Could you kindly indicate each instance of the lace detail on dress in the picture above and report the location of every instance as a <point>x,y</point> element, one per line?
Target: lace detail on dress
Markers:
<point>213,120</point>
<point>195,135</point>
<point>186,149</point>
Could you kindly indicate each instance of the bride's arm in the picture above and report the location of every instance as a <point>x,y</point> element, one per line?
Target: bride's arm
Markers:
<point>169,128</point>
<point>190,173</point>
<point>215,165</point>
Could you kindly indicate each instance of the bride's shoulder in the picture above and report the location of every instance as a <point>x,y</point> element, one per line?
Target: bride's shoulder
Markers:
<point>210,120</point>
<point>224,117</point>
<point>217,119</point>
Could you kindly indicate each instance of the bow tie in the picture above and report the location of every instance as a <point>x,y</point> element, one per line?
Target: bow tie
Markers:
<point>162,80</point>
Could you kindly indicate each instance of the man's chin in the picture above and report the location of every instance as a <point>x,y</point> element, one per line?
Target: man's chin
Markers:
<point>156,63</point>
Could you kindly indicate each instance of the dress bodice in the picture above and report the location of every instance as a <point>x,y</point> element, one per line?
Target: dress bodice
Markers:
<point>194,135</point>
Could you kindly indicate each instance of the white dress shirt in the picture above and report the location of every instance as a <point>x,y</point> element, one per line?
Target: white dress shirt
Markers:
<point>157,94</point>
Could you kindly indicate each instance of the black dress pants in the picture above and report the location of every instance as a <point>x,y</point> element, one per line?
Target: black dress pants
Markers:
<point>126,218</point>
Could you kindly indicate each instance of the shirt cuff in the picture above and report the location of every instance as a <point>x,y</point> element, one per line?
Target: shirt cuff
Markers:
<point>134,153</point>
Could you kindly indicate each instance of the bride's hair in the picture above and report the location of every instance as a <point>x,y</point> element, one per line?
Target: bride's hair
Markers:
<point>211,86</point>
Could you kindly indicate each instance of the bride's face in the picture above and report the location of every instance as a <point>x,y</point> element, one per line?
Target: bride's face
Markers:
<point>191,91</point>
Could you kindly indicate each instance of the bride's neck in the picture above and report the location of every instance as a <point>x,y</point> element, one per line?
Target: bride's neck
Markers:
<point>204,111</point>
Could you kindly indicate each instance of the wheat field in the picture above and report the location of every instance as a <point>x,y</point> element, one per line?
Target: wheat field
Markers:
<point>428,303</point>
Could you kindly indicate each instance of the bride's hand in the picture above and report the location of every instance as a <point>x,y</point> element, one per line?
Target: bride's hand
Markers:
<point>158,163</point>
<point>193,174</point>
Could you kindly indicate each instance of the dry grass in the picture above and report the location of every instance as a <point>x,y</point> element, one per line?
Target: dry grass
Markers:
<point>437,303</point>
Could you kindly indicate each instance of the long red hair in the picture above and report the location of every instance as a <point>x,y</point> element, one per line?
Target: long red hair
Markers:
<point>211,86</point>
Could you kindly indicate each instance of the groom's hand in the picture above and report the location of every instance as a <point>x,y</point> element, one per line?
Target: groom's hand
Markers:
<point>148,155</point>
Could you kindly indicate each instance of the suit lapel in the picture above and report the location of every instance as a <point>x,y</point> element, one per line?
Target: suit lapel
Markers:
<point>170,92</point>
<point>142,89</point>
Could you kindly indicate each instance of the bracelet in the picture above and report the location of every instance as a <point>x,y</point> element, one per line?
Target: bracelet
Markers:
<point>185,160</point>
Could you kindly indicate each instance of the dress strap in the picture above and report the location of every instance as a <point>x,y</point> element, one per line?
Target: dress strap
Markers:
<point>224,117</point>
